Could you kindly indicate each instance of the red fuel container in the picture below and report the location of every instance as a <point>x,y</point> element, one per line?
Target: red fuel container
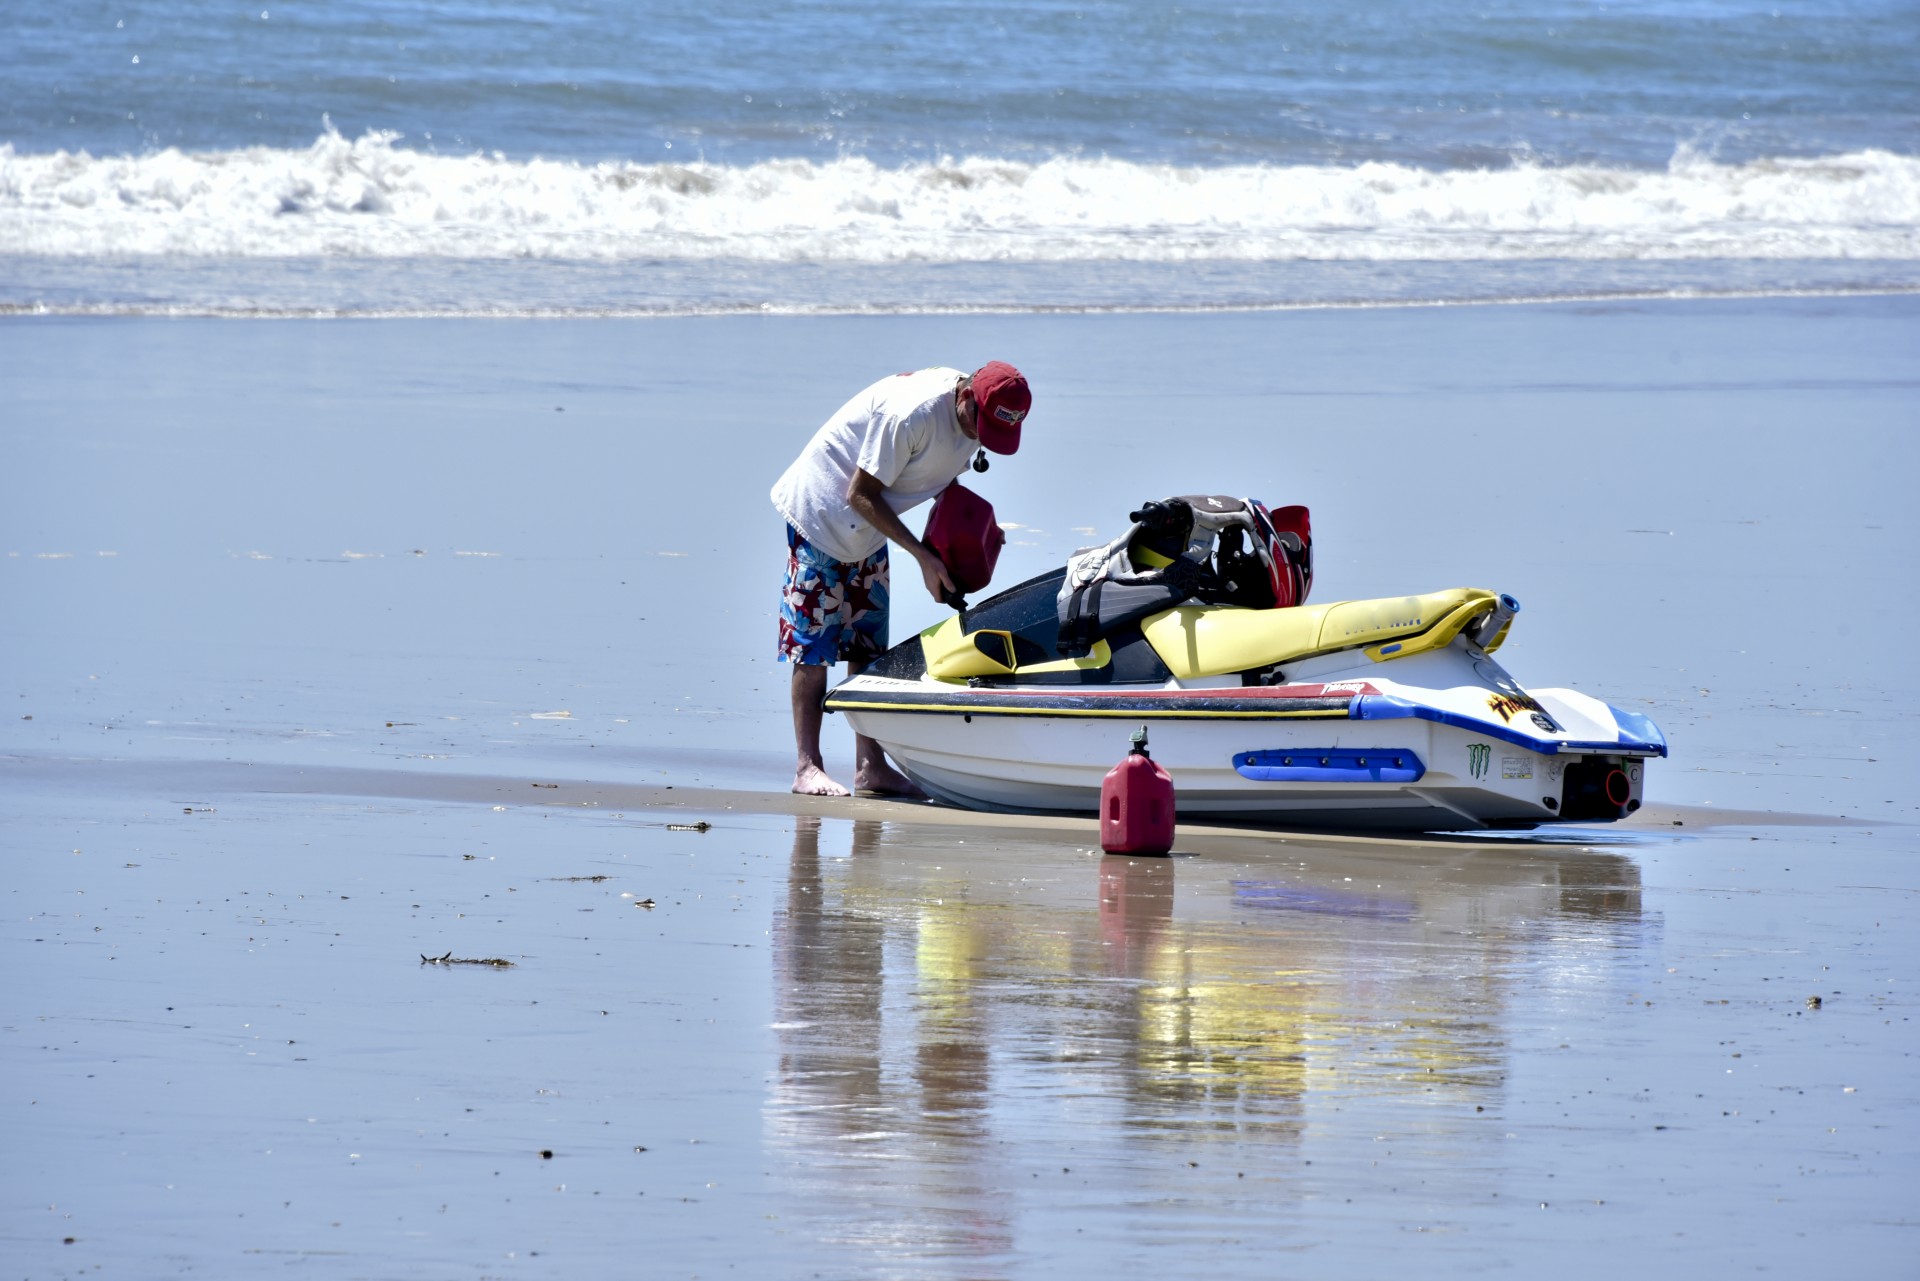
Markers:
<point>1136,804</point>
<point>963,533</point>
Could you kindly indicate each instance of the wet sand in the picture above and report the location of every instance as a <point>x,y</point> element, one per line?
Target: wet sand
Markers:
<point>303,726</point>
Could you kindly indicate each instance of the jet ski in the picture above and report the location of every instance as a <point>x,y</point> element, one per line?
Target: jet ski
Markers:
<point>1387,714</point>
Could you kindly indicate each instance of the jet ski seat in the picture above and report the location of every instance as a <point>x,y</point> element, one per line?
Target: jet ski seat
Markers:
<point>1218,640</point>
<point>1213,640</point>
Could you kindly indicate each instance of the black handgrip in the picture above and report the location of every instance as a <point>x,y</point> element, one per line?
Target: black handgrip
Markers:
<point>1170,516</point>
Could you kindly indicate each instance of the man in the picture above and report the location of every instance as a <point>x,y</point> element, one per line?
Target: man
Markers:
<point>889,449</point>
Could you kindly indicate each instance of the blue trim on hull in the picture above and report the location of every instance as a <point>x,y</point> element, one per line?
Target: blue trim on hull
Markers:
<point>1330,765</point>
<point>1637,733</point>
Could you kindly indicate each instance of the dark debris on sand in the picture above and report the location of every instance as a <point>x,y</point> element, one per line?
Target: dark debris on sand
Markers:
<point>450,959</point>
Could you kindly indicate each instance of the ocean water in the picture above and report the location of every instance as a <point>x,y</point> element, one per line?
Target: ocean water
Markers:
<point>517,157</point>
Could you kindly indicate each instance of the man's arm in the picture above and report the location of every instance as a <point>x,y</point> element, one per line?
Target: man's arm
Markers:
<point>866,495</point>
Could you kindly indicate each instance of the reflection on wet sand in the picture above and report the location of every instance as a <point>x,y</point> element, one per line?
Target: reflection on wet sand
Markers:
<point>955,1021</point>
<point>854,1094</point>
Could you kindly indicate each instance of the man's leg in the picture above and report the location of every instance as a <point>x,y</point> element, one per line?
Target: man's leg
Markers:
<point>810,627</point>
<point>869,598</point>
<point>872,771</point>
<point>810,770</point>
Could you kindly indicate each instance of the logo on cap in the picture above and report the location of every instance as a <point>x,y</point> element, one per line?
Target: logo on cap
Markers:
<point>1011,417</point>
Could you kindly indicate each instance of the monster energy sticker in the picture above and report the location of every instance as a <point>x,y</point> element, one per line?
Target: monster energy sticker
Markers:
<point>1516,767</point>
<point>1479,756</point>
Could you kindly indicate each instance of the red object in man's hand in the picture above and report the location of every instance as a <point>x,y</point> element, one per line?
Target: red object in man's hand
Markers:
<point>962,532</point>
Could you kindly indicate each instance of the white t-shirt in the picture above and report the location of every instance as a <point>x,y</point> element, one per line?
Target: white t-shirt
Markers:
<point>904,432</point>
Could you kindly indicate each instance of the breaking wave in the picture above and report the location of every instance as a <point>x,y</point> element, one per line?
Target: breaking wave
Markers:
<point>373,198</point>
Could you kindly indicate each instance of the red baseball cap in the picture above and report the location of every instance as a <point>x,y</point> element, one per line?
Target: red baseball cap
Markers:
<point>1001,401</point>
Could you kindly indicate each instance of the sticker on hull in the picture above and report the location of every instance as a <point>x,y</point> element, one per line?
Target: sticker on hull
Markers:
<point>1508,705</point>
<point>1479,756</point>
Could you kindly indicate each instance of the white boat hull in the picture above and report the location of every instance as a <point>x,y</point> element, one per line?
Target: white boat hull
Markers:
<point>1456,744</point>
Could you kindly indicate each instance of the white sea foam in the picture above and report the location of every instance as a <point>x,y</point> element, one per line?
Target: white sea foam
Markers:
<point>373,198</point>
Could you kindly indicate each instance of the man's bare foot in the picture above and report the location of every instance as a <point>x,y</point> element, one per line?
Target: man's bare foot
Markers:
<point>811,780</point>
<point>884,780</point>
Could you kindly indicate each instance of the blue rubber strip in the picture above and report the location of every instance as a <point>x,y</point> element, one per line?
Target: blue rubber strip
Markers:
<point>1330,765</point>
<point>1637,733</point>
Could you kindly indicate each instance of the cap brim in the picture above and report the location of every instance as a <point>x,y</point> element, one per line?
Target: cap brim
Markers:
<point>999,437</point>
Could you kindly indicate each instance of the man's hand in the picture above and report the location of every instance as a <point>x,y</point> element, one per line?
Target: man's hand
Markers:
<point>934,574</point>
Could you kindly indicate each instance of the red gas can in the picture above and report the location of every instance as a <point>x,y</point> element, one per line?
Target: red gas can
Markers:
<point>963,533</point>
<point>1136,804</point>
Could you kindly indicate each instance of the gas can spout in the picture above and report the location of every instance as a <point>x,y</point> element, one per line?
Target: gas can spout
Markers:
<point>1140,743</point>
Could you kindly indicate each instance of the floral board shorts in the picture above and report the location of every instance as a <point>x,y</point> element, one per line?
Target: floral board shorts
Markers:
<point>832,611</point>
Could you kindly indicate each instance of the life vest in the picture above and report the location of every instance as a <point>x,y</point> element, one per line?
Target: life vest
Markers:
<point>1225,551</point>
